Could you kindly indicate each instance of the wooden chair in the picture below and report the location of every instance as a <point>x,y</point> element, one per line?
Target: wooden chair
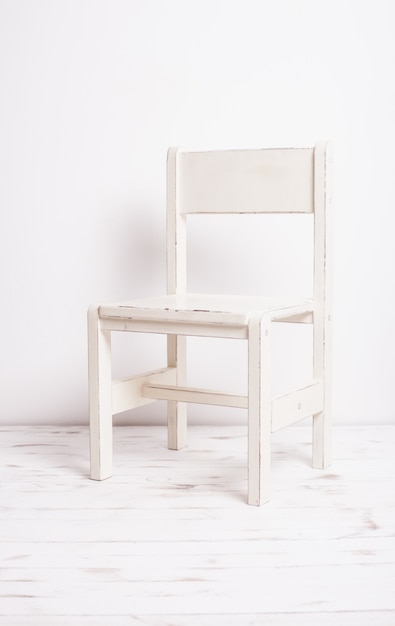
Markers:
<point>229,181</point>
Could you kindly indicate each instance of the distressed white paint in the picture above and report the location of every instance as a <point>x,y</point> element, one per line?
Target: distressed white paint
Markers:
<point>205,308</point>
<point>288,180</point>
<point>176,275</point>
<point>176,409</point>
<point>198,329</point>
<point>198,396</point>
<point>323,270</point>
<point>294,406</point>
<point>259,409</point>
<point>128,392</point>
<point>169,539</point>
<point>100,396</point>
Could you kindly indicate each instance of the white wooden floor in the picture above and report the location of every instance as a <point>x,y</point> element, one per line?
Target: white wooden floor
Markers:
<point>170,541</point>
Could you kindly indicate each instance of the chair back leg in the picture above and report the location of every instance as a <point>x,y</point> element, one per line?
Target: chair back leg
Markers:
<point>177,411</point>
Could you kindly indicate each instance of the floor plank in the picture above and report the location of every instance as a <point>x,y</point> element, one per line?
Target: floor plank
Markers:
<point>170,541</point>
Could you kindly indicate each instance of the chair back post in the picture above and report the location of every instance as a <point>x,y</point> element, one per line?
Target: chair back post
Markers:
<point>176,261</point>
<point>322,296</point>
<point>176,228</point>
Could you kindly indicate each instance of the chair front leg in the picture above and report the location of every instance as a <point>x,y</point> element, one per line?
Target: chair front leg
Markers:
<point>100,400</point>
<point>259,409</point>
<point>177,411</point>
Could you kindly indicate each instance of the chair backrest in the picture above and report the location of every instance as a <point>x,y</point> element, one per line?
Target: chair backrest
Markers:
<point>285,180</point>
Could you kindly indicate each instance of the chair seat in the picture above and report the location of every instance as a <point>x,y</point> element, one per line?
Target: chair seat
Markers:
<point>205,308</point>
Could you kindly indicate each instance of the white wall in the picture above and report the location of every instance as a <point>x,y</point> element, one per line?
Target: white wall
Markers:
<point>91,95</point>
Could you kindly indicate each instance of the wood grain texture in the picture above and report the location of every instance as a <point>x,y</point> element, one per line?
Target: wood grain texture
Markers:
<point>167,543</point>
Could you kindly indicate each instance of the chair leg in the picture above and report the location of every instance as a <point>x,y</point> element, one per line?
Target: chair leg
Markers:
<point>259,410</point>
<point>322,428</point>
<point>322,439</point>
<point>100,405</point>
<point>322,422</point>
<point>177,411</point>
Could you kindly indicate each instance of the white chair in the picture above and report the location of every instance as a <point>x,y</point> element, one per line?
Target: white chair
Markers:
<point>226,181</point>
